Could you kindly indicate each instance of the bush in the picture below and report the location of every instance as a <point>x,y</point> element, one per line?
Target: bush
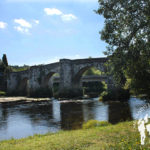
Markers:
<point>95,123</point>
<point>2,93</point>
<point>102,95</point>
<point>116,94</point>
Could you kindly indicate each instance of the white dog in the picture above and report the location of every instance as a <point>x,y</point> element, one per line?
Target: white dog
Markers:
<point>142,129</point>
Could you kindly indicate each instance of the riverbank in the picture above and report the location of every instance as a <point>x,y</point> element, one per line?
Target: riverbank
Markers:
<point>21,99</point>
<point>27,99</point>
<point>114,137</point>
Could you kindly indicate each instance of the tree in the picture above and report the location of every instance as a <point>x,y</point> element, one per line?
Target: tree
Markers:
<point>127,33</point>
<point>92,71</point>
<point>4,59</point>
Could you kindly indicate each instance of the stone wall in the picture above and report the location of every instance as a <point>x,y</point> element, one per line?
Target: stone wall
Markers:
<point>3,84</point>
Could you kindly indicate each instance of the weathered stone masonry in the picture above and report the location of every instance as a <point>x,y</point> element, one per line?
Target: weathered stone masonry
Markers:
<point>70,72</point>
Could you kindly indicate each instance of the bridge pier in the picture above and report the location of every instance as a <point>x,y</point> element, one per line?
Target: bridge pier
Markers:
<point>66,74</point>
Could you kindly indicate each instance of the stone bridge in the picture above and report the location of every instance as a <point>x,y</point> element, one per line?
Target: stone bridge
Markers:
<point>87,78</point>
<point>70,74</point>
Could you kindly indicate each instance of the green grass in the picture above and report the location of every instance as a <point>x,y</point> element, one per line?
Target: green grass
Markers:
<point>95,123</point>
<point>122,136</point>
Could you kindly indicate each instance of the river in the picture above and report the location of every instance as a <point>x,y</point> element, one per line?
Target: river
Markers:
<point>26,119</point>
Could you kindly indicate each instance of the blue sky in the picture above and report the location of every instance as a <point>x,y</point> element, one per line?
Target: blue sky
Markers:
<point>44,31</point>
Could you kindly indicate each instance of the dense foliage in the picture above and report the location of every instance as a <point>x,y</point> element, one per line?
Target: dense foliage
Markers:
<point>4,70</point>
<point>115,94</point>
<point>4,64</point>
<point>4,59</point>
<point>127,33</point>
<point>93,89</point>
<point>92,71</point>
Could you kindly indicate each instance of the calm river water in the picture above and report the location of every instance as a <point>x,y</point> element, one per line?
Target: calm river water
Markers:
<point>22,120</point>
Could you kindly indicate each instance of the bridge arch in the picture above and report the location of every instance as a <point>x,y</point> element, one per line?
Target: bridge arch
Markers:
<point>51,82</point>
<point>46,79</point>
<point>77,77</point>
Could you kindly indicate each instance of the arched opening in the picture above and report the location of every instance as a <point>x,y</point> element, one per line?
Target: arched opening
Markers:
<point>51,83</point>
<point>23,88</point>
<point>46,80</point>
<point>54,83</point>
<point>91,80</point>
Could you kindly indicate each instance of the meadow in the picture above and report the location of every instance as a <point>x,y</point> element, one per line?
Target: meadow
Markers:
<point>122,136</point>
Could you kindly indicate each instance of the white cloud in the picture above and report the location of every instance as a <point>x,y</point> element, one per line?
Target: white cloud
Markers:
<point>21,29</point>
<point>36,21</point>
<point>52,11</point>
<point>68,17</point>
<point>64,17</point>
<point>23,23</point>
<point>3,25</point>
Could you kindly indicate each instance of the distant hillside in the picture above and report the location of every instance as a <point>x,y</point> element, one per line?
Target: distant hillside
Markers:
<point>19,68</point>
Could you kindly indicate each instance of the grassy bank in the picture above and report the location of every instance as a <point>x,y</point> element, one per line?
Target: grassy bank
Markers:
<point>117,137</point>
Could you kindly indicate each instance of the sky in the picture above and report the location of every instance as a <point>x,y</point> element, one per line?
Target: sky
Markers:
<point>36,32</point>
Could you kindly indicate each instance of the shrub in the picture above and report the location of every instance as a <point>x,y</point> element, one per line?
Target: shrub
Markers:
<point>95,123</point>
<point>118,94</point>
<point>2,93</point>
<point>102,95</point>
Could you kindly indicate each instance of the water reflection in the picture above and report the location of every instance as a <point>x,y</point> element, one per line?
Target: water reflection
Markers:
<point>95,110</point>
<point>3,117</point>
<point>71,115</point>
<point>119,112</point>
<point>40,114</point>
<point>21,120</point>
<point>56,110</point>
